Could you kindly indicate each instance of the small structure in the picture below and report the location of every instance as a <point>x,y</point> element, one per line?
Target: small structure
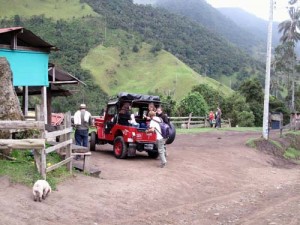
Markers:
<point>276,121</point>
<point>28,56</point>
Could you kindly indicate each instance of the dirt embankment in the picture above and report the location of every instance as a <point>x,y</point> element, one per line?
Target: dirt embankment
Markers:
<point>210,178</point>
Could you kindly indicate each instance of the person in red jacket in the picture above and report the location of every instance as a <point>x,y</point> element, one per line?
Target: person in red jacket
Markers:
<point>211,118</point>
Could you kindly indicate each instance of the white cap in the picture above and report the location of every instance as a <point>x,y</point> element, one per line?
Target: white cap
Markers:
<point>82,106</point>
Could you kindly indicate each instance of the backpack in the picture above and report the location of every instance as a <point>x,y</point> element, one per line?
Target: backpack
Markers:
<point>164,127</point>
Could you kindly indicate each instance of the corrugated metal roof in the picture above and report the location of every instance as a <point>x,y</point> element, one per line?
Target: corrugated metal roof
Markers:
<point>61,75</point>
<point>9,29</point>
<point>25,38</point>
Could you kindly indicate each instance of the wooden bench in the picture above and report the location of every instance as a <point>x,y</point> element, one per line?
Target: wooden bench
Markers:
<point>77,151</point>
<point>82,151</point>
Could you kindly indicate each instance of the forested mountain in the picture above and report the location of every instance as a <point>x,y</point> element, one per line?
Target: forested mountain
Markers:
<point>251,23</point>
<point>203,13</point>
<point>191,42</point>
<point>201,49</point>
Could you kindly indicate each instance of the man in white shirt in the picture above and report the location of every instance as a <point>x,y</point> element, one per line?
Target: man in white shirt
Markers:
<point>155,127</point>
<point>82,121</point>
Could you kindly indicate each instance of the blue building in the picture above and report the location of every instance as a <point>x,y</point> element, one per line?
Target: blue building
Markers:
<point>28,56</point>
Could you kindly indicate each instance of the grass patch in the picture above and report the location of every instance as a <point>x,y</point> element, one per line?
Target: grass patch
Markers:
<point>23,170</point>
<point>58,9</point>
<point>291,153</point>
<point>276,143</point>
<point>297,132</point>
<point>251,142</point>
<point>113,66</point>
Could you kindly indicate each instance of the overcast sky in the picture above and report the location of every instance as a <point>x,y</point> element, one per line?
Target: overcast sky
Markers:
<point>260,8</point>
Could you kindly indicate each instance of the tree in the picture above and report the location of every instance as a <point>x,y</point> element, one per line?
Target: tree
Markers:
<point>233,106</point>
<point>251,89</point>
<point>290,28</point>
<point>210,95</point>
<point>192,103</point>
<point>168,104</point>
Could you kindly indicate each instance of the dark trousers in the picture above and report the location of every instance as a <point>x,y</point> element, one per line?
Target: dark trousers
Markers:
<point>81,137</point>
<point>218,122</point>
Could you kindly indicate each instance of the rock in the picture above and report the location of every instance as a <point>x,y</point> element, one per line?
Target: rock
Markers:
<point>9,103</point>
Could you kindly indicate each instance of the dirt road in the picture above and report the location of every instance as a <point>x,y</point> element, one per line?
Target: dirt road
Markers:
<point>211,178</point>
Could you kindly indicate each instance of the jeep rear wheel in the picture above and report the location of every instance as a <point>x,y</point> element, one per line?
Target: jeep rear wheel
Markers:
<point>153,155</point>
<point>93,141</point>
<point>172,134</point>
<point>120,148</point>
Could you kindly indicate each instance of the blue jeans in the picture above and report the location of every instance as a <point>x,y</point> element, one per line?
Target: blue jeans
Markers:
<point>81,137</point>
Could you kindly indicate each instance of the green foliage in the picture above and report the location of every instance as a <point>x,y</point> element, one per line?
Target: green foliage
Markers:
<point>23,169</point>
<point>156,48</point>
<point>135,48</point>
<point>192,103</point>
<point>212,96</point>
<point>292,153</point>
<point>168,104</point>
<point>246,119</point>
<point>233,106</point>
<point>251,89</point>
<point>251,142</point>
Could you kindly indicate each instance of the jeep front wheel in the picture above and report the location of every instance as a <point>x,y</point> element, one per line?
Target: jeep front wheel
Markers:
<point>93,141</point>
<point>120,148</point>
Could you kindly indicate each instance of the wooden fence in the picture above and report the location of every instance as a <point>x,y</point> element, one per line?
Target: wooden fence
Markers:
<point>39,144</point>
<point>195,121</point>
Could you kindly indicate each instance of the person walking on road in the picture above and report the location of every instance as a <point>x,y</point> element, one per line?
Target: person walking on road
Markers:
<point>155,127</point>
<point>164,117</point>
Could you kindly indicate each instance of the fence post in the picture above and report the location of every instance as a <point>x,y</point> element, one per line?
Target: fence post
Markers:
<point>189,121</point>
<point>38,153</point>
<point>43,163</point>
<point>67,124</point>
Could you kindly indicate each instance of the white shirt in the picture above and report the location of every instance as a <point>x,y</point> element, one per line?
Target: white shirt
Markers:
<point>156,127</point>
<point>132,121</point>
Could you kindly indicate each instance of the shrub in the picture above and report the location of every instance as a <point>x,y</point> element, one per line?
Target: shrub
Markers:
<point>135,49</point>
<point>245,119</point>
<point>193,103</point>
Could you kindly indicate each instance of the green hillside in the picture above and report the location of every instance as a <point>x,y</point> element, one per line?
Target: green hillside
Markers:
<point>118,69</point>
<point>57,9</point>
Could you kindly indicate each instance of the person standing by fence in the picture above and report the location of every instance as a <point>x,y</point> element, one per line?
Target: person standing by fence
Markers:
<point>82,121</point>
<point>218,117</point>
<point>211,118</point>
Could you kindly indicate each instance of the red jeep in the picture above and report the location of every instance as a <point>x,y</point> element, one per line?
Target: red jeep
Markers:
<point>115,127</point>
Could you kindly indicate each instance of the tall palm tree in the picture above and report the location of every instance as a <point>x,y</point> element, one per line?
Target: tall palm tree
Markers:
<point>290,28</point>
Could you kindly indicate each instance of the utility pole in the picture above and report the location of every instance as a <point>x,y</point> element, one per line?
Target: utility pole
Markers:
<point>268,71</point>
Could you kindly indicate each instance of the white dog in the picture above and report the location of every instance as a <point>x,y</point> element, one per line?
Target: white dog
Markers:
<point>40,190</point>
